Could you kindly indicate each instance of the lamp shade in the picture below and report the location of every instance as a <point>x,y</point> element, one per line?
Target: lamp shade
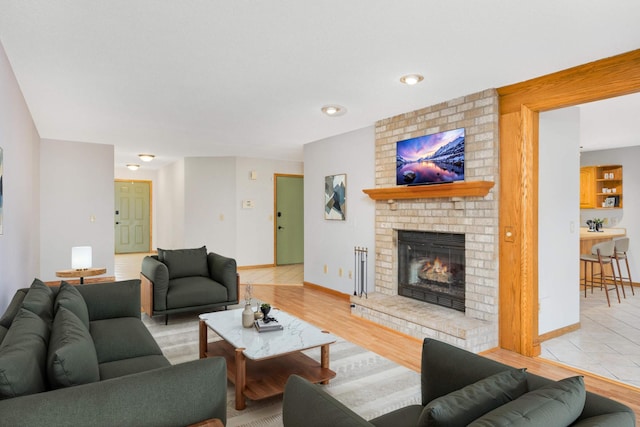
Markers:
<point>80,257</point>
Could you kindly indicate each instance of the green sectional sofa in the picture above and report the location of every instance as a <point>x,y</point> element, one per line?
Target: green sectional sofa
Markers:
<point>81,356</point>
<point>461,388</point>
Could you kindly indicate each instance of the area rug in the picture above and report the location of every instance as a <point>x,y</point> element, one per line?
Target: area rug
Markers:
<point>366,382</point>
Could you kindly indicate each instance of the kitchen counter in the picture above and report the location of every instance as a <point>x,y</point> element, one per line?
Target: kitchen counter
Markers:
<point>590,238</point>
<point>605,234</point>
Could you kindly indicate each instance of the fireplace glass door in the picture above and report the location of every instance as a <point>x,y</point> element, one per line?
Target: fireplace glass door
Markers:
<point>431,268</point>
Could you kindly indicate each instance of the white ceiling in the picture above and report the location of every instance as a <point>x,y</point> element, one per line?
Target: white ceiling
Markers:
<point>248,78</point>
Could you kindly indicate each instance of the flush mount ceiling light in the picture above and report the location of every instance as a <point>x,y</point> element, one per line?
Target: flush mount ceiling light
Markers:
<point>333,110</point>
<point>133,166</point>
<point>411,79</point>
<point>146,157</point>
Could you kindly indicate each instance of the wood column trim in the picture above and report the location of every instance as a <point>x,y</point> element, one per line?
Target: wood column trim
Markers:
<point>520,105</point>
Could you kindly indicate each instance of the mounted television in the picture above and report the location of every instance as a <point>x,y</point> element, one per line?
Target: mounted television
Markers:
<point>431,159</point>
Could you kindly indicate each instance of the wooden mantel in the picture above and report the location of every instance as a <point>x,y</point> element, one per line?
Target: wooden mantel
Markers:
<point>455,189</point>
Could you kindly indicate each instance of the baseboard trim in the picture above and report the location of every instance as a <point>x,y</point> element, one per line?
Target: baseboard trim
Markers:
<point>249,267</point>
<point>556,333</point>
<point>333,292</point>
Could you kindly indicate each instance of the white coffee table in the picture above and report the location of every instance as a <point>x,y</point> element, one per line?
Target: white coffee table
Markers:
<point>259,363</point>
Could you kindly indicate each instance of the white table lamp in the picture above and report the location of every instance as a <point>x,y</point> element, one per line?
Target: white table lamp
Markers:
<point>81,257</point>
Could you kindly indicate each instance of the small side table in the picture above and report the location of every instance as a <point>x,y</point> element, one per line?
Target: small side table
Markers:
<point>85,272</point>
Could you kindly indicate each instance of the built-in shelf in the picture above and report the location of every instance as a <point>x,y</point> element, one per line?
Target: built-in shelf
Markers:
<point>455,189</point>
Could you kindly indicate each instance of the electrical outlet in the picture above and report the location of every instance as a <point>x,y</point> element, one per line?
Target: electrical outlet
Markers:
<point>340,272</point>
<point>350,274</point>
<point>326,269</point>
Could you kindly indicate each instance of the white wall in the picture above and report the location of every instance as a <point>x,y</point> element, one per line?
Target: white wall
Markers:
<point>20,142</point>
<point>255,241</point>
<point>200,203</point>
<point>144,175</point>
<point>170,207</point>
<point>330,242</point>
<point>76,184</point>
<point>627,217</point>
<point>210,204</point>
<point>558,219</point>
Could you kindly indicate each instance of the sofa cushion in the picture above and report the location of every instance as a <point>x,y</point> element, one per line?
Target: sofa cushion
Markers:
<point>14,307</point>
<point>465,405</point>
<point>122,338</point>
<point>119,368</point>
<point>185,262</point>
<point>39,300</point>
<point>71,356</point>
<point>23,355</point>
<point>194,291</point>
<point>559,403</point>
<point>403,417</point>
<point>69,297</point>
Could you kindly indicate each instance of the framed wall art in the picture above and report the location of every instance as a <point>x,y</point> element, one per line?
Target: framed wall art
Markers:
<point>335,200</point>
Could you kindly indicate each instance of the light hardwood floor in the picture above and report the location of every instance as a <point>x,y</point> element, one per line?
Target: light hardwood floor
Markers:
<point>332,312</point>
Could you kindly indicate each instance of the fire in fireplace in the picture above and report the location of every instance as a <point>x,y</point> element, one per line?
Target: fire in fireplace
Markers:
<point>431,267</point>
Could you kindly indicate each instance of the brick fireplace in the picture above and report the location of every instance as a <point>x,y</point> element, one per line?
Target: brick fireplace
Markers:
<point>474,325</point>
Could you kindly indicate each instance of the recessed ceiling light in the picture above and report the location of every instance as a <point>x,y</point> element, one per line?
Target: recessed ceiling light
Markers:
<point>133,166</point>
<point>411,79</point>
<point>146,157</point>
<point>333,110</point>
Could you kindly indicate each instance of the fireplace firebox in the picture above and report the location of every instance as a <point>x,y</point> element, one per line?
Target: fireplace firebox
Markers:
<point>431,268</point>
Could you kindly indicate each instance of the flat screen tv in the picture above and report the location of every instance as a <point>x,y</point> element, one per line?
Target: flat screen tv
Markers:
<point>430,159</point>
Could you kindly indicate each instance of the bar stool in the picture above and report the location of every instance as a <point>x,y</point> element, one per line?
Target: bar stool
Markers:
<point>621,248</point>
<point>601,253</point>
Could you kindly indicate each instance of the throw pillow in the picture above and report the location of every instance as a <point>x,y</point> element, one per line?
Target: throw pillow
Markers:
<point>70,298</point>
<point>72,356</point>
<point>559,404</point>
<point>14,307</point>
<point>39,300</point>
<point>23,355</point>
<point>186,262</point>
<point>462,406</point>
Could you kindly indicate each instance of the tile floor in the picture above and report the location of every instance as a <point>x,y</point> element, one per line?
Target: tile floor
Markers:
<point>608,342</point>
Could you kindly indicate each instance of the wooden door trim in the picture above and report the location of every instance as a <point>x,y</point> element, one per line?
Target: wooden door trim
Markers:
<point>520,105</point>
<point>275,210</point>
<point>150,205</point>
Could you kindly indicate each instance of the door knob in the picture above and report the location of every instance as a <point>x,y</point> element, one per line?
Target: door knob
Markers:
<point>280,227</point>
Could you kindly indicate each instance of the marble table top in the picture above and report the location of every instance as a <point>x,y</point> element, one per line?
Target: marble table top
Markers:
<point>296,334</point>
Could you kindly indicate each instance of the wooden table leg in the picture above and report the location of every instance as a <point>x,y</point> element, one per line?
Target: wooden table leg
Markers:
<point>203,339</point>
<point>324,359</point>
<point>241,378</point>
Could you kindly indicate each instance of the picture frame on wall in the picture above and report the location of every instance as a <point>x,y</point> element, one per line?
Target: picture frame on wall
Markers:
<point>335,197</point>
<point>610,202</point>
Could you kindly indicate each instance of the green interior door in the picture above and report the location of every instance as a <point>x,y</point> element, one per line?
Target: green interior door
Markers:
<point>289,220</point>
<point>132,217</point>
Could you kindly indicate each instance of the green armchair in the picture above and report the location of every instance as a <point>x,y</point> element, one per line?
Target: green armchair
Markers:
<point>182,280</point>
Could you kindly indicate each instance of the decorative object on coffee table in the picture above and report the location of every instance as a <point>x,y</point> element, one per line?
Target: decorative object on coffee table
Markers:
<point>265,308</point>
<point>247,316</point>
